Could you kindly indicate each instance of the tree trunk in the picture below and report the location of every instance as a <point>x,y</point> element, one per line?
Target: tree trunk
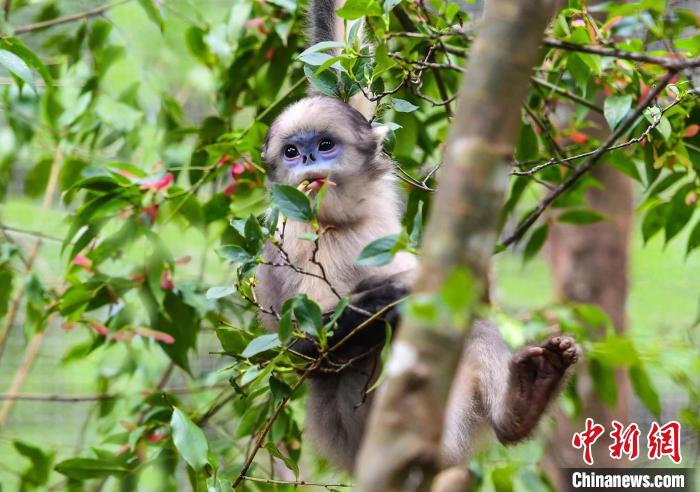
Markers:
<point>401,447</point>
<point>590,264</point>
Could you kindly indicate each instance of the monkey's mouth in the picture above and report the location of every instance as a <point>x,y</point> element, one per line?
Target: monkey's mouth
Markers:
<point>314,184</point>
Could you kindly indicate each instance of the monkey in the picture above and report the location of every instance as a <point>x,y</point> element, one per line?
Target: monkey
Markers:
<point>321,140</point>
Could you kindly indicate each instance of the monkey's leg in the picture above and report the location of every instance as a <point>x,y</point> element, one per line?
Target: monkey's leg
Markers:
<point>536,373</point>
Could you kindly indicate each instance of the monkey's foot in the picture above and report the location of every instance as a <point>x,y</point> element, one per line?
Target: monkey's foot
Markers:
<point>536,373</point>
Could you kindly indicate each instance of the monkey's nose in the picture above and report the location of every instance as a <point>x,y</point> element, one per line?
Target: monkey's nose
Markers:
<point>303,159</point>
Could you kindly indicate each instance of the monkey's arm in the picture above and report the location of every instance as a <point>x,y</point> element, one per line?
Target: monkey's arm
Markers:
<point>363,304</point>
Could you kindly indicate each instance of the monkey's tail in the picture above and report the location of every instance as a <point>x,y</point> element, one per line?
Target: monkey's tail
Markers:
<point>325,25</point>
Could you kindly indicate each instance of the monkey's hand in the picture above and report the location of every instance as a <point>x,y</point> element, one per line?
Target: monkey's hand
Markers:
<point>366,304</point>
<point>536,374</point>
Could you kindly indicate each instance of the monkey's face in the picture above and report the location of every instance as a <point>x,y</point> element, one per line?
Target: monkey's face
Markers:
<point>312,156</point>
<point>321,139</point>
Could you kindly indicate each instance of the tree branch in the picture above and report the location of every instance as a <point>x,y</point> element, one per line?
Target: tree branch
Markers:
<point>401,450</point>
<point>592,161</point>
<point>565,160</point>
<point>672,63</point>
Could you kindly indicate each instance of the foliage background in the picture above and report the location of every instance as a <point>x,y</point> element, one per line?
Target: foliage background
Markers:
<point>130,139</point>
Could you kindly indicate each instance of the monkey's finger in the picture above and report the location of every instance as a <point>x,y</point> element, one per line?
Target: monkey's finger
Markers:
<point>528,353</point>
<point>553,343</point>
<point>570,355</point>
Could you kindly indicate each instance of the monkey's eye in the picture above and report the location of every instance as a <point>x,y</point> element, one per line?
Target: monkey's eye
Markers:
<point>290,152</point>
<point>325,145</point>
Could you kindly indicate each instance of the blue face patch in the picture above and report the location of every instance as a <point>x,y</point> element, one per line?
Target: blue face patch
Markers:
<point>311,150</point>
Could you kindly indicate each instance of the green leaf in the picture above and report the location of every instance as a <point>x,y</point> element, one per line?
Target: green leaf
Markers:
<point>502,478</point>
<point>285,325</point>
<point>316,59</point>
<point>87,468</point>
<point>38,473</point>
<point>16,46</point>
<point>179,320</point>
<point>338,311</point>
<point>219,292</point>
<point>693,239</point>
<point>235,253</point>
<point>414,239</point>
<point>615,108</point>
<point>15,65</point>
<point>6,288</point>
<point>664,128</point>
<point>308,314</point>
<point>288,5</point>
<point>604,383</point>
<point>654,220</point>
<point>232,341</point>
<point>322,46</point>
<point>189,440</point>
<point>527,147</point>
<point>74,299</point>
<point>288,460</point>
<point>644,389</point>
<point>99,32</point>
<point>355,9</point>
<point>403,106</point>
<point>580,216</point>
<point>378,252</point>
<point>152,12</point>
<point>615,351</point>
<point>291,202</point>
<point>279,388</point>
<point>680,212</point>
<point>457,292</point>
<point>261,344</point>
<point>325,82</point>
<point>307,236</point>
<point>536,241</point>
<point>254,237</point>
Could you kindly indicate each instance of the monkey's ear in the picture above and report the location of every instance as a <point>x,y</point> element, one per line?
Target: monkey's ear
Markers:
<point>380,132</point>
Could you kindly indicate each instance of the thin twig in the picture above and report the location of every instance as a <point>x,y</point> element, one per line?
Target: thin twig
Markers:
<point>569,95</point>
<point>101,396</point>
<point>566,160</point>
<point>295,483</point>
<point>323,356</point>
<point>403,175</point>
<point>671,63</point>
<point>544,128</point>
<point>23,371</point>
<point>268,425</point>
<point>588,165</point>
<point>24,232</point>
<point>68,18</point>
<point>31,258</point>
<point>202,421</point>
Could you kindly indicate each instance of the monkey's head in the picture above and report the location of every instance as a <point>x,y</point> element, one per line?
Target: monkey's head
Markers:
<point>322,139</point>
